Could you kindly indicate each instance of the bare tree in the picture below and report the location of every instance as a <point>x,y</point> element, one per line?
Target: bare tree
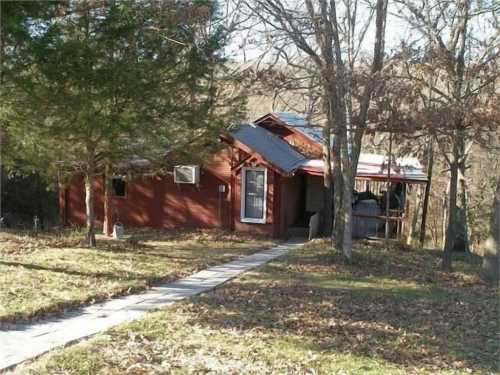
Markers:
<point>330,38</point>
<point>464,64</point>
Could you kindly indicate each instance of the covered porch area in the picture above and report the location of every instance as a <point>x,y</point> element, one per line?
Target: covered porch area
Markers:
<point>382,198</point>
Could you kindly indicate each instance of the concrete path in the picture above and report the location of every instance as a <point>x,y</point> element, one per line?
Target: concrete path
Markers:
<point>29,341</point>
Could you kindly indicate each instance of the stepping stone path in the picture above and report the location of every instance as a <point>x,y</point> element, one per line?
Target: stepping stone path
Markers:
<point>27,341</point>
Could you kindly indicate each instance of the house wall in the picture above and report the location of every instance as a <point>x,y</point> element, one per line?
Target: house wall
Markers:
<point>159,202</point>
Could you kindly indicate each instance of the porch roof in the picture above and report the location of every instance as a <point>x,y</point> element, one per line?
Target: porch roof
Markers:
<point>374,167</point>
<point>271,147</point>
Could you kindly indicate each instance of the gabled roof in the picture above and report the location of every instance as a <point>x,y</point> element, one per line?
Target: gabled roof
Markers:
<point>271,147</point>
<point>300,125</point>
<point>291,118</point>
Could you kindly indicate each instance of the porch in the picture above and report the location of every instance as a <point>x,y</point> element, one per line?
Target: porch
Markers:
<point>403,185</point>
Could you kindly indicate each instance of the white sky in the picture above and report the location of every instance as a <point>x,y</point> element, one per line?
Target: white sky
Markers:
<point>397,30</point>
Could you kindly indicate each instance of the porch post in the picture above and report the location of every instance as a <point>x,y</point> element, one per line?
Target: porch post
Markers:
<point>388,195</point>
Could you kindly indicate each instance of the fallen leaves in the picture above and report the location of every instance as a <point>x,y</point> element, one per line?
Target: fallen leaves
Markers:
<point>49,273</point>
<point>389,312</point>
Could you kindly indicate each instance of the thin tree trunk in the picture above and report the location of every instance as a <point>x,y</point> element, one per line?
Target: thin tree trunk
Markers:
<point>89,202</point>
<point>62,200</point>
<point>327,184</point>
<point>338,205</point>
<point>347,209</point>
<point>462,228</point>
<point>425,208</point>
<point>416,198</point>
<point>451,230</point>
<point>107,222</point>
<point>491,252</point>
<point>444,223</point>
<point>327,162</point>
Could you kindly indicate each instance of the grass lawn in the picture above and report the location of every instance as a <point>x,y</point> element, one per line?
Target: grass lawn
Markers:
<point>389,312</point>
<point>51,272</point>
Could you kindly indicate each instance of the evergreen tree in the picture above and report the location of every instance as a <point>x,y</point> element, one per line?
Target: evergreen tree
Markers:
<point>100,82</point>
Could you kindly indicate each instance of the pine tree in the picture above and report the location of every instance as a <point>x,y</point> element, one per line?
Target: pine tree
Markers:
<point>101,82</point>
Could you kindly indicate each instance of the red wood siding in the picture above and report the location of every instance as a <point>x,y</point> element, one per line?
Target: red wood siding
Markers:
<point>159,202</point>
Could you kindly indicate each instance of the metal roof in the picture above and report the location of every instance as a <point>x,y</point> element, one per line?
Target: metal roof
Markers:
<point>271,147</point>
<point>374,166</point>
<point>291,118</point>
<point>403,167</point>
<point>300,124</point>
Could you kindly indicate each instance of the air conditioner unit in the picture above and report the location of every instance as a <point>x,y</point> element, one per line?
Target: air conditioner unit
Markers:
<point>186,174</point>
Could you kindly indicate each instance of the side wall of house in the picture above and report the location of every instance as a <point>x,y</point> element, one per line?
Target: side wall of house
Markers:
<point>160,203</point>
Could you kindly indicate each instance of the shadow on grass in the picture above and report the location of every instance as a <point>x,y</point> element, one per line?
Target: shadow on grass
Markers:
<point>413,265</point>
<point>362,286</point>
<point>390,304</point>
<point>111,271</point>
<point>106,275</point>
<point>421,331</point>
<point>174,252</point>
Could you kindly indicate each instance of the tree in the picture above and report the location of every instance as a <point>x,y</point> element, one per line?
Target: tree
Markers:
<point>461,56</point>
<point>327,39</point>
<point>15,17</point>
<point>491,251</point>
<point>106,81</point>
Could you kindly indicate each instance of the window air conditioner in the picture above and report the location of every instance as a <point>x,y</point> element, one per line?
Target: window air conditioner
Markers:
<point>187,174</point>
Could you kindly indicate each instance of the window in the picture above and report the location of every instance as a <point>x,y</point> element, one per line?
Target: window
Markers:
<point>253,195</point>
<point>118,187</point>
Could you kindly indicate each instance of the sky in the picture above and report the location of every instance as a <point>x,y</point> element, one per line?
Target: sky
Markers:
<point>396,31</point>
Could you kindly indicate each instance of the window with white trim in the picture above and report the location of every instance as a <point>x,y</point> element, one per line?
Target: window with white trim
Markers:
<point>253,195</point>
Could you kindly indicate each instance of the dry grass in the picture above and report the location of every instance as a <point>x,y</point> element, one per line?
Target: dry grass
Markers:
<point>389,312</point>
<point>55,271</point>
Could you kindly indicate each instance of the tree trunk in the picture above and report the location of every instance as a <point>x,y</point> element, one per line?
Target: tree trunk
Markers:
<point>89,202</point>
<point>445,217</point>
<point>107,222</point>
<point>451,230</point>
<point>347,209</point>
<point>491,253</point>
<point>416,196</point>
<point>327,184</point>
<point>425,208</point>
<point>338,205</point>
<point>462,228</point>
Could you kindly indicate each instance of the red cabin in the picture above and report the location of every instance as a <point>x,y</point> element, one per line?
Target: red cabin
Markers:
<point>266,180</point>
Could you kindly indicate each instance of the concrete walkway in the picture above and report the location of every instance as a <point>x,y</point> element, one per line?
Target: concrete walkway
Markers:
<point>29,341</point>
